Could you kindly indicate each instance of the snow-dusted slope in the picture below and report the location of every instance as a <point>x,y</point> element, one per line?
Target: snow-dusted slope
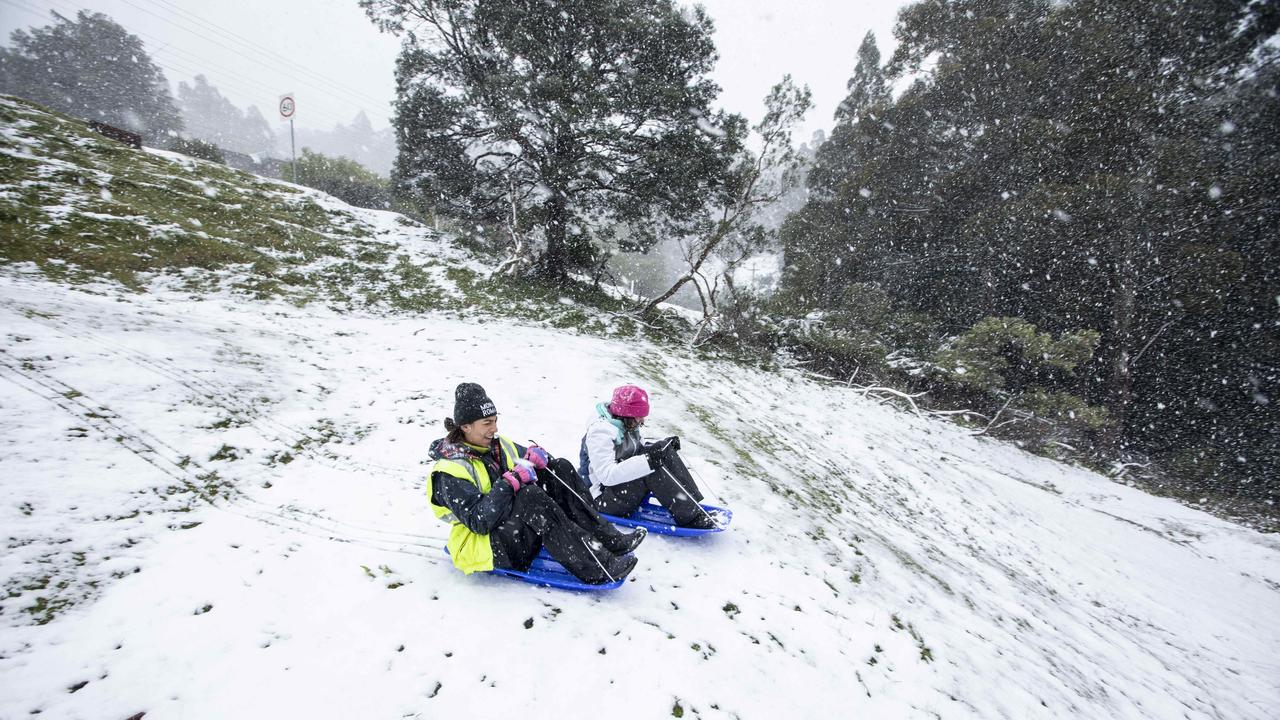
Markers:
<point>213,507</point>
<point>220,503</point>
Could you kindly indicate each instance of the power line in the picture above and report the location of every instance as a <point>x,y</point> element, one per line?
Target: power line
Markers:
<point>282,59</point>
<point>336,116</point>
<point>235,37</point>
<point>170,64</point>
<point>24,8</point>
<point>177,64</point>
<point>178,59</point>
<point>206,38</point>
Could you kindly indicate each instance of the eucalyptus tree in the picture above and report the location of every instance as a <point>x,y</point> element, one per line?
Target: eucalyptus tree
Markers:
<point>591,119</point>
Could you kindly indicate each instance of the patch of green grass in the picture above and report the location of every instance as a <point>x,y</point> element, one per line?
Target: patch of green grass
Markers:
<point>279,458</point>
<point>210,485</point>
<point>226,452</point>
<point>45,609</point>
<point>766,443</point>
<point>713,426</point>
<point>572,319</point>
<point>414,290</point>
<point>90,208</point>
<point>322,432</point>
<point>926,653</point>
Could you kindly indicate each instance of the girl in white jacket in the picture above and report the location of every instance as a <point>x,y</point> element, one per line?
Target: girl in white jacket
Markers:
<point>622,470</point>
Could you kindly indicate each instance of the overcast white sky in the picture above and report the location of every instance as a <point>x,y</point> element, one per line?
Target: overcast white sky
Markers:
<point>337,63</point>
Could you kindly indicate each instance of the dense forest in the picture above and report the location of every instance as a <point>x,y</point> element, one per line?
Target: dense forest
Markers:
<point>1106,174</point>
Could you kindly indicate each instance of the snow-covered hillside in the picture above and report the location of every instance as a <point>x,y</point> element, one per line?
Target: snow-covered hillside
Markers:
<point>217,506</point>
<point>213,507</point>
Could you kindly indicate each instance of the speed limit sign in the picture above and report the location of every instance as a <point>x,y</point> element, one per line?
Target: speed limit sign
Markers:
<point>287,106</point>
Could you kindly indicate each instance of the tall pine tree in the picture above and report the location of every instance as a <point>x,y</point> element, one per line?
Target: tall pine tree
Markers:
<point>867,88</point>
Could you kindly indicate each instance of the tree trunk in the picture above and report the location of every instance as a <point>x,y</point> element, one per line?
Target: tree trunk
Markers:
<point>557,258</point>
<point>675,287</point>
<point>1123,319</point>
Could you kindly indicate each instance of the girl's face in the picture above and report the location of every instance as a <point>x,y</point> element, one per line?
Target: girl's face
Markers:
<point>481,432</point>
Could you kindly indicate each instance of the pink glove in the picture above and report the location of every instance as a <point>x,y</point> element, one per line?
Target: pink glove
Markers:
<point>524,473</point>
<point>537,457</point>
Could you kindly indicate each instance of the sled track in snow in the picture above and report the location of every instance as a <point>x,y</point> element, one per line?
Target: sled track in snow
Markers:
<point>190,474</point>
<point>100,418</point>
<point>227,398</point>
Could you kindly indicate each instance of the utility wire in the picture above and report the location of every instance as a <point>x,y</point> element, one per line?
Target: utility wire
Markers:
<point>327,83</point>
<point>161,46</point>
<point>176,63</point>
<point>173,66</point>
<point>282,59</point>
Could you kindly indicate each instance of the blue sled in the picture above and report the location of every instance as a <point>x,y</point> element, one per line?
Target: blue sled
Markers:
<point>656,519</point>
<point>544,570</point>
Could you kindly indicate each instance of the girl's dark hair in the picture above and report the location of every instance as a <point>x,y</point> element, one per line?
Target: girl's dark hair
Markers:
<point>455,435</point>
<point>630,423</point>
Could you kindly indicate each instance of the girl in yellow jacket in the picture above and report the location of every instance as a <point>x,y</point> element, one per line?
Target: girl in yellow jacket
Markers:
<point>494,493</point>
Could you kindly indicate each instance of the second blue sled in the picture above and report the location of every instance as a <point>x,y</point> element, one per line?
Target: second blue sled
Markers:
<point>656,519</point>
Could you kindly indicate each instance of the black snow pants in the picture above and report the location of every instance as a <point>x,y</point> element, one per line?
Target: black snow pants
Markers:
<point>560,480</point>
<point>574,534</point>
<point>671,484</point>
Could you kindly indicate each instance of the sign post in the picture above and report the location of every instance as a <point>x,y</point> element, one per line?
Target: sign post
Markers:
<point>288,107</point>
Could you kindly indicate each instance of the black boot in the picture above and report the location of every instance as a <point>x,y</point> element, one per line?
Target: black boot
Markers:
<point>621,567</point>
<point>703,521</point>
<point>623,543</point>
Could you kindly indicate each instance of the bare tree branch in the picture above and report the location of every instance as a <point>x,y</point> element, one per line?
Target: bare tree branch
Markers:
<point>517,238</point>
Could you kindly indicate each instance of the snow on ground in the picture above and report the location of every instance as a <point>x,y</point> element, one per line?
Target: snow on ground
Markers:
<point>213,508</point>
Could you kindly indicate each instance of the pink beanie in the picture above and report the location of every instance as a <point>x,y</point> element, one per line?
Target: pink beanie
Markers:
<point>629,401</point>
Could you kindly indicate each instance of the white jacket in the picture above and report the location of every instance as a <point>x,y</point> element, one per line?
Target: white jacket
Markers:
<point>601,442</point>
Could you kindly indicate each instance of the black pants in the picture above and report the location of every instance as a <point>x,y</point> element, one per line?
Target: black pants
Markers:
<point>671,484</point>
<point>561,482</point>
<point>546,513</point>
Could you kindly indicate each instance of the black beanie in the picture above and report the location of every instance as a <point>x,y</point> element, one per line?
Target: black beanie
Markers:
<point>470,404</point>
